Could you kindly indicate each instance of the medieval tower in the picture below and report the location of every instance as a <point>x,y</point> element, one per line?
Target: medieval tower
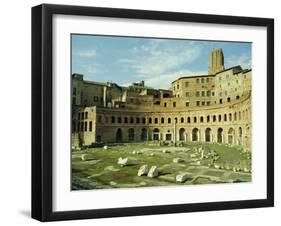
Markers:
<point>216,61</point>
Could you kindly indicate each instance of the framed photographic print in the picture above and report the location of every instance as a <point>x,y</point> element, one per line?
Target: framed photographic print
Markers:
<point>145,112</point>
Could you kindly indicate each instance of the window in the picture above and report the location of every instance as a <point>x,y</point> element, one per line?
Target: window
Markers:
<point>187,104</point>
<point>176,120</point>
<point>86,115</point>
<point>228,99</point>
<point>186,84</point>
<point>194,119</point>
<point>220,101</point>
<point>214,118</point>
<point>165,104</point>
<point>203,103</point>
<point>225,117</point>
<point>188,119</point>
<point>125,120</point>
<point>156,120</point>
<point>169,120</point>
<point>197,103</point>
<point>82,116</point>
<point>201,119</point>
<point>119,120</point>
<point>81,126</point>
<point>197,80</point>
<point>143,121</point>
<point>150,120</point>
<point>207,80</point>
<point>90,126</point>
<point>178,86</point>
<point>162,120</point>
<point>202,80</point>
<point>219,118</point>
<point>131,120</point>
<point>73,100</point>
<point>213,94</point>
<point>208,118</point>
<point>197,93</point>
<point>112,119</point>
<point>203,93</point>
<point>174,104</point>
<point>137,120</point>
<point>96,98</point>
<point>208,103</point>
<point>74,91</point>
<point>187,94</point>
<point>85,127</point>
<point>208,93</point>
<point>182,119</point>
<point>230,117</point>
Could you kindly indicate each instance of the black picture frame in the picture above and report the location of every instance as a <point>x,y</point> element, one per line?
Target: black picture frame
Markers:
<point>42,107</point>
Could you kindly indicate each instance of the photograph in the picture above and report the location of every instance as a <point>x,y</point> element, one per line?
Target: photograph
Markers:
<point>151,112</point>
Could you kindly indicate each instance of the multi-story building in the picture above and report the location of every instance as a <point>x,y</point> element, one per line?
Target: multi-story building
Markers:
<point>209,108</point>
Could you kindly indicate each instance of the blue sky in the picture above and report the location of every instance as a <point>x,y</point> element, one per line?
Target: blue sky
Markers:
<point>156,61</point>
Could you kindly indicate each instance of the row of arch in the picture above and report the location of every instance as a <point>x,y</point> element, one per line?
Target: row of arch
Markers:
<point>236,116</point>
<point>208,135</point>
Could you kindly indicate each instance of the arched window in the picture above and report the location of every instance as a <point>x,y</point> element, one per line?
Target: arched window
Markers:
<point>162,120</point>
<point>201,119</point>
<point>235,116</point>
<point>194,119</point>
<point>150,120</point>
<point>214,118</point>
<point>208,118</point>
<point>188,119</point>
<point>169,120</point>
<point>143,121</point>
<point>119,120</point>
<point>225,117</point>
<point>182,119</point>
<point>156,120</point>
<point>126,120</point>
<point>219,118</point>
<point>230,117</point>
<point>112,119</point>
<point>131,120</point>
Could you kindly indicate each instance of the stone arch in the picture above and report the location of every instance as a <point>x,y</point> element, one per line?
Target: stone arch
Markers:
<point>131,134</point>
<point>231,134</point>
<point>240,134</point>
<point>143,134</point>
<point>119,135</point>
<point>156,134</point>
<point>220,135</point>
<point>182,134</point>
<point>195,134</point>
<point>208,135</point>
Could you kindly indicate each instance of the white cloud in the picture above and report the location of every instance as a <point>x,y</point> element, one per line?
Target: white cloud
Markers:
<point>164,81</point>
<point>160,59</point>
<point>86,53</point>
<point>244,60</point>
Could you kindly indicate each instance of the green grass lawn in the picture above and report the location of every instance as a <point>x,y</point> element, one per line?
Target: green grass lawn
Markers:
<point>102,171</point>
